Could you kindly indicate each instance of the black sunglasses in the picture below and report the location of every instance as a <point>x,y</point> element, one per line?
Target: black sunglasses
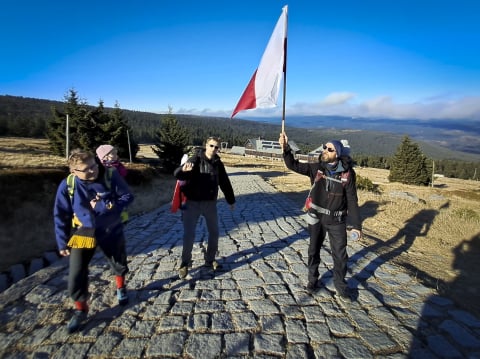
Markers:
<point>216,147</point>
<point>329,149</point>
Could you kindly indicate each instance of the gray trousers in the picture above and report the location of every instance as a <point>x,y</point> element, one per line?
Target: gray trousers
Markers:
<point>191,214</point>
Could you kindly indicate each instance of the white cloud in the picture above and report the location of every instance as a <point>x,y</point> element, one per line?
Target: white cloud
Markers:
<point>465,108</point>
<point>337,98</point>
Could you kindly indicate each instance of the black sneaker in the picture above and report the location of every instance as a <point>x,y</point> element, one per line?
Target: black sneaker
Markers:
<point>77,320</point>
<point>214,265</point>
<point>344,294</point>
<point>312,285</point>
<point>122,296</point>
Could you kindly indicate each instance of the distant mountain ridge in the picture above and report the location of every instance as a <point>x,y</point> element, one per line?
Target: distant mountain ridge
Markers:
<point>461,135</point>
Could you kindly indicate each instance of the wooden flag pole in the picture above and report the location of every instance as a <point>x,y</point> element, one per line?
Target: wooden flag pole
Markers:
<point>284,72</point>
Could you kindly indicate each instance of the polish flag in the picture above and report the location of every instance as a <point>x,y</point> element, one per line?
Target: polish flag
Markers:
<point>263,89</point>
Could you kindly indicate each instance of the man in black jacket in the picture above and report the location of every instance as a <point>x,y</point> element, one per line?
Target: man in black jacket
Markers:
<point>203,173</point>
<point>332,197</point>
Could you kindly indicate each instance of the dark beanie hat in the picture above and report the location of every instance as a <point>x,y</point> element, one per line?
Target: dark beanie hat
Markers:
<point>338,147</point>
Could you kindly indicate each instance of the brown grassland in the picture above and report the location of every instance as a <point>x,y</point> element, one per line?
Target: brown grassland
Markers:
<point>437,239</point>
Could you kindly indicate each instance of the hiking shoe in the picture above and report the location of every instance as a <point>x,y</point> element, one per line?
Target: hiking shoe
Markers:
<point>122,296</point>
<point>182,272</point>
<point>344,294</point>
<point>77,320</point>
<point>312,285</point>
<point>214,265</point>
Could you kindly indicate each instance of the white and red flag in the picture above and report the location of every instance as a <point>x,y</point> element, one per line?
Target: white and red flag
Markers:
<point>263,89</point>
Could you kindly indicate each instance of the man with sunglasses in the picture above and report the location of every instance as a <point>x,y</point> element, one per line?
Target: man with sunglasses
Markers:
<point>86,215</point>
<point>333,195</point>
<point>203,174</point>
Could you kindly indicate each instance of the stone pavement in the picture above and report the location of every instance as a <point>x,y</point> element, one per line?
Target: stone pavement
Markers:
<point>256,307</point>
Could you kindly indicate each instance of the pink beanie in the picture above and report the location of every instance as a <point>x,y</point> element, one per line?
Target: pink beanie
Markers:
<point>104,150</point>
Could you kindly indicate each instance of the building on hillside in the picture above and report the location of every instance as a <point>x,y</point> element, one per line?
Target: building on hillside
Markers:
<point>259,147</point>
<point>237,150</point>
<point>268,146</point>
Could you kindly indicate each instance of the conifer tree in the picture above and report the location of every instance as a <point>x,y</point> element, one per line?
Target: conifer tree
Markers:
<point>56,126</point>
<point>88,131</point>
<point>171,141</point>
<point>408,165</point>
<point>89,127</point>
<point>118,133</point>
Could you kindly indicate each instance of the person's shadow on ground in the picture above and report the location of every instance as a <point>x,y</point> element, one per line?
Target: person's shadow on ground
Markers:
<point>417,226</point>
<point>455,324</point>
<point>465,289</point>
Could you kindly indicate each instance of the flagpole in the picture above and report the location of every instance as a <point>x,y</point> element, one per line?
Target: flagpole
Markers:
<point>284,71</point>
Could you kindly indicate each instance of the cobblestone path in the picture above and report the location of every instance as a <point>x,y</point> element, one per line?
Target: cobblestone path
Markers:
<point>256,307</point>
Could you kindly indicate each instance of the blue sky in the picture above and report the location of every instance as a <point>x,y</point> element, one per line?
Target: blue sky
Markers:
<point>398,59</point>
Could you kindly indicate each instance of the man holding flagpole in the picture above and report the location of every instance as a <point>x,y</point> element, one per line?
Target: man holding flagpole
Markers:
<point>332,197</point>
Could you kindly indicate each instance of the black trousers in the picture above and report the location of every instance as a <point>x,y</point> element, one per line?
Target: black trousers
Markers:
<point>337,234</point>
<point>115,254</point>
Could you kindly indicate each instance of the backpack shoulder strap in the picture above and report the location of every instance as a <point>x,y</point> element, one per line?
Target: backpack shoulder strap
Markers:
<point>345,177</point>
<point>108,177</point>
<point>71,190</point>
<point>71,185</point>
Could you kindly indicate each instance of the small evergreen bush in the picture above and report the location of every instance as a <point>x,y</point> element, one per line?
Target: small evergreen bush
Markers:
<point>366,184</point>
<point>140,174</point>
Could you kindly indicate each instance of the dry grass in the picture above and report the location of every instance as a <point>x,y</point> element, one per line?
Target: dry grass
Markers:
<point>437,238</point>
<point>21,152</point>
